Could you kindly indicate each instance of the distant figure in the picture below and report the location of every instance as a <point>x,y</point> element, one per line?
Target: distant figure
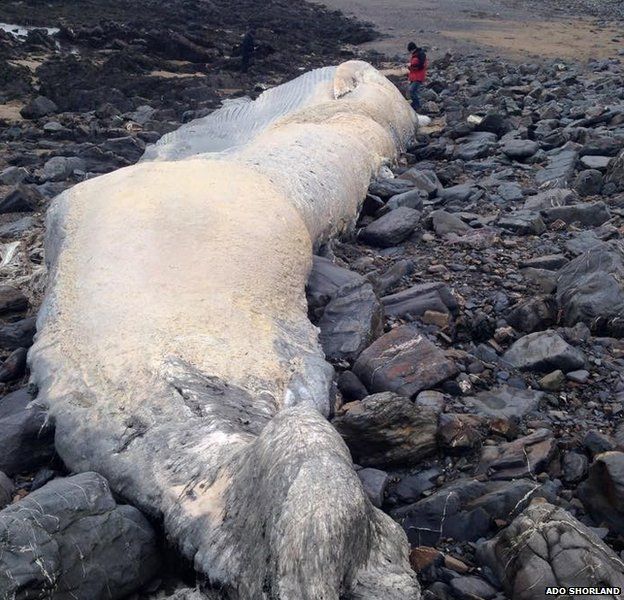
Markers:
<point>417,73</point>
<point>247,49</point>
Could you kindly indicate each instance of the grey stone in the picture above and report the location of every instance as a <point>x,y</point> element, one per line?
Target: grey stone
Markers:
<point>543,351</point>
<point>544,279</point>
<point>412,486</point>
<point>12,300</point>
<point>13,175</point>
<point>458,193</point>
<point>80,543</point>
<point>18,334</point>
<point>445,223</point>
<point>510,192</point>
<point>552,262</point>
<point>591,213</point>
<point>533,314</point>
<point>505,401</point>
<point>26,434</point>
<point>420,298</point>
<point>16,228</point>
<point>352,320</point>
<point>615,173</point>
<point>424,180</point>
<point>22,199</point>
<point>59,168</point>
<point>548,545</point>
<point>596,162</point>
<point>520,149</point>
<point>588,182</point>
<point>386,429</point>
<point>324,281</point>
<point>523,222</point>
<point>6,490</point>
<point>374,482</point>
<point>559,171</point>
<point>403,361</point>
<point>477,145</point>
<point>431,399</point>
<point>471,587</point>
<point>550,198</point>
<point>574,466</point>
<point>412,199</point>
<point>590,289</point>
<point>39,107</point>
<point>391,229</point>
<point>580,376</point>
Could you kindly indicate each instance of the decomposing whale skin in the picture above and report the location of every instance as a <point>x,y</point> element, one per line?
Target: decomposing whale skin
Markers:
<point>174,350</point>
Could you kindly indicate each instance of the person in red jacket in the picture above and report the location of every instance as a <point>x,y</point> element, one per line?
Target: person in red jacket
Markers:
<point>417,73</point>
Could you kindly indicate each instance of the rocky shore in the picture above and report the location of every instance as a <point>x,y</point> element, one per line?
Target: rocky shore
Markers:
<point>475,316</point>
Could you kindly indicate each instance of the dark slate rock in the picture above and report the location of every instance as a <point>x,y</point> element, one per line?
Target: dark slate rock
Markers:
<point>477,145</point>
<point>527,456</point>
<point>386,429</point>
<point>60,168</point>
<point>552,262</point>
<point>590,289</point>
<point>544,351</point>
<point>403,361</point>
<point>352,320</point>
<point>13,175</point>
<point>550,198</point>
<point>26,434</point>
<point>520,149</point>
<point>445,223</point>
<point>39,107</point>
<point>458,432</point>
<point>351,387</point>
<point>6,490</point>
<point>412,486</point>
<point>458,193</point>
<point>559,171</point>
<point>510,192</point>
<point>80,543</point>
<point>374,482</point>
<point>18,335</point>
<point>574,467</point>
<point>597,442</point>
<point>386,188</point>
<point>324,281</point>
<point>523,222</point>
<point>12,300</point>
<point>599,163</point>
<point>14,366</point>
<point>384,282</point>
<point>17,228</point>
<point>533,314</point>
<point>471,587</point>
<point>22,199</point>
<point>495,123</point>
<point>466,510</point>
<point>424,180</point>
<point>546,544</point>
<point>505,401</point>
<point>615,173</point>
<point>588,182</point>
<point>391,229</point>
<point>420,298</point>
<point>593,213</point>
<point>412,199</point>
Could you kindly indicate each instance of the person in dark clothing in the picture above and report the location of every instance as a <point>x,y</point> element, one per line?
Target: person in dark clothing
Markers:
<point>417,73</point>
<point>247,49</point>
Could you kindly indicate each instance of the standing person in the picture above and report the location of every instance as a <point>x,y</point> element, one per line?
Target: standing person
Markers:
<point>247,49</point>
<point>417,73</point>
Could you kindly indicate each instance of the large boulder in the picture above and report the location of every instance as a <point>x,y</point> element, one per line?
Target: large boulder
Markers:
<point>546,546</point>
<point>590,289</point>
<point>403,361</point>
<point>69,539</point>
<point>386,429</point>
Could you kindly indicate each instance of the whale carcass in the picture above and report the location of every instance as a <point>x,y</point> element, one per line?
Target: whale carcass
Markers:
<point>174,350</point>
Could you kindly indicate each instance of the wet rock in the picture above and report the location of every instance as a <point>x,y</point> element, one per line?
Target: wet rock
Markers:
<point>520,149</point>
<point>351,387</point>
<point>403,361</point>
<point>14,366</point>
<point>445,223</point>
<point>386,429</point>
<point>574,466</point>
<point>471,587</point>
<point>80,543</point>
<point>504,401</point>
<point>60,168</point>
<point>22,199</point>
<point>542,351</point>
<point>548,545</point>
<point>594,214</point>
<point>12,300</point>
<point>466,510</point>
<point>603,491</point>
<point>6,490</point>
<point>412,486</point>
<point>550,198</point>
<point>523,222</point>
<point>352,320</point>
<point>615,173</point>
<point>324,281</point>
<point>559,171</point>
<point>420,298</point>
<point>590,289</point>
<point>533,315</point>
<point>460,432</point>
<point>26,434</point>
<point>391,229</point>
<point>374,483</point>
<point>527,456</point>
<point>18,334</point>
<point>39,107</point>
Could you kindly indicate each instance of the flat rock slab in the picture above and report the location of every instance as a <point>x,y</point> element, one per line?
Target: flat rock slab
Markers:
<point>69,539</point>
<point>596,162</point>
<point>547,545</point>
<point>544,351</point>
<point>551,198</point>
<point>505,401</point>
<point>591,213</point>
<point>387,429</point>
<point>559,170</point>
<point>523,222</point>
<point>420,298</point>
<point>520,149</point>
<point>392,228</point>
<point>324,281</point>
<point>403,361</point>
